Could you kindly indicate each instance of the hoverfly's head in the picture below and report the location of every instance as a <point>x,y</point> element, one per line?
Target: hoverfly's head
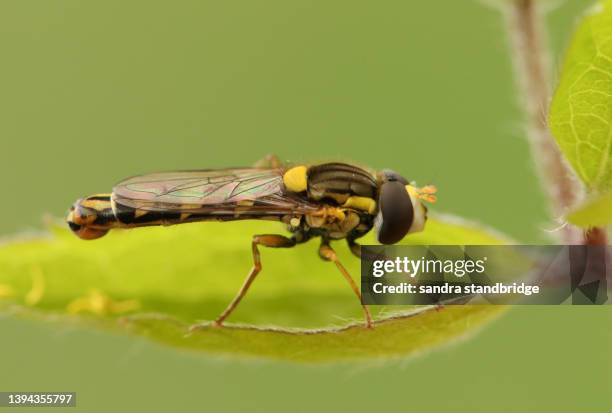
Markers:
<point>87,217</point>
<point>400,207</point>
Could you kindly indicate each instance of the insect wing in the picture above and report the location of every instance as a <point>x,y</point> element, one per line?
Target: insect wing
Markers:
<point>259,191</point>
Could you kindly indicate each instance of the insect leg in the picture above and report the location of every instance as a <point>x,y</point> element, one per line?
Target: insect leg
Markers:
<point>272,241</point>
<point>358,252</point>
<point>269,161</point>
<point>355,248</point>
<point>327,253</point>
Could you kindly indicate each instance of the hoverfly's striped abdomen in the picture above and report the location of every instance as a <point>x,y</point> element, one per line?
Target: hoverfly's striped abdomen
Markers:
<point>94,216</point>
<point>128,216</point>
<point>339,181</point>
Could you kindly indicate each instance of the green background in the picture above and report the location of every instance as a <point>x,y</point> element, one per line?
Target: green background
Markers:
<point>91,92</point>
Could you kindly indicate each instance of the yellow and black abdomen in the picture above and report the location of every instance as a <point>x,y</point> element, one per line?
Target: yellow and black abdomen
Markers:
<point>94,216</point>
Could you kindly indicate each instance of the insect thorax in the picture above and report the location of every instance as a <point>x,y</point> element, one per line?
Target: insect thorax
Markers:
<point>331,223</point>
<point>338,182</point>
<point>347,196</point>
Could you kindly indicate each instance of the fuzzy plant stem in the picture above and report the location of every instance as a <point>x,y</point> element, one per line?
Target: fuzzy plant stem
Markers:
<point>530,56</point>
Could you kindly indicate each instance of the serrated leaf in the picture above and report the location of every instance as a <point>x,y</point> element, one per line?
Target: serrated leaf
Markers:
<point>157,282</point>
<point>581,110</point>
<point>594,213</point>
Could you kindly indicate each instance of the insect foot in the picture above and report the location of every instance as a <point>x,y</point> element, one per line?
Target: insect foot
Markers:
<point>202,326</point>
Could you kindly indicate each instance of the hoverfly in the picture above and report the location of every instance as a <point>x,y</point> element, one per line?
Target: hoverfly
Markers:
<point>331,201</point>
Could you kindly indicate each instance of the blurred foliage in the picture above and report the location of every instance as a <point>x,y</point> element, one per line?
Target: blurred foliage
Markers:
<point>596,212</point>
<point>581,111</point>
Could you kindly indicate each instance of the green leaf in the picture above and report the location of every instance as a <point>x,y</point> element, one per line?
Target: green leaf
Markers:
<point>581,111</point>
<point>594,213</point>
<point>157,282</point>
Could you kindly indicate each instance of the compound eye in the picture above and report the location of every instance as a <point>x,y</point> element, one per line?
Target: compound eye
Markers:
<point>396,212</point>
<point>390,176</point>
